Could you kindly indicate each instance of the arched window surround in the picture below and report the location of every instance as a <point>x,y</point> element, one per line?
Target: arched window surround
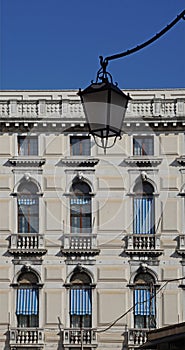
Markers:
<point>80,298</point>
<point>27,298</point>
<point>143,285</point>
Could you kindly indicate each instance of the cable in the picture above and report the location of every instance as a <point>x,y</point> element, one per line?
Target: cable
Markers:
<point>133,306</point>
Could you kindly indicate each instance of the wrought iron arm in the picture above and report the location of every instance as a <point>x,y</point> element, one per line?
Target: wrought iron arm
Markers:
<point>104,62</point>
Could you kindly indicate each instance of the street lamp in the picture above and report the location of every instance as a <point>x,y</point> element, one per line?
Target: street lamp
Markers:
<point>104,106</point>
<point>104,103</point>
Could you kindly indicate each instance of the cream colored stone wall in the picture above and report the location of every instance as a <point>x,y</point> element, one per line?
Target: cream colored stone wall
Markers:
<point>112,181</point>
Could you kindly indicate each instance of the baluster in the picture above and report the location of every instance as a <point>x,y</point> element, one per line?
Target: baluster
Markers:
<point>36,242</point>
<point>23,245</point>
<point>22,337</point>
<point>88,337</point>
<point>72,243</point>
<point>71,337</point>
<point>27,337</point>
<point>140,242</point>
<point>19,242</point>
<point>34,337</point>
<point>19,337</point>
<point>136,338</point>
<point>76,337</point>
<point>31,242</point>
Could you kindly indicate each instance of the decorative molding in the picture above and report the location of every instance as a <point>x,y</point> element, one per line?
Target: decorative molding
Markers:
<point>140,161</point>
<point>79,161</point>
<point>27,161</point>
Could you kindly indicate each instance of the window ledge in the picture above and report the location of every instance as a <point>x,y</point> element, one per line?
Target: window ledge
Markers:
<point>32,161</point>
<point>147,161</point>
<point>80,161</point>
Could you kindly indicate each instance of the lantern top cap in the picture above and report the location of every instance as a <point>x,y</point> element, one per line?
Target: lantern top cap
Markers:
<point>102,86</point>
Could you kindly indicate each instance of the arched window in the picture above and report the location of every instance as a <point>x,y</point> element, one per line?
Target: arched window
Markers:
<point>144,301</point>
<point>80,208</point>
<point>144,208</point>
<point>27,306</point>
<point>28,208</point>
<point>80,300</point>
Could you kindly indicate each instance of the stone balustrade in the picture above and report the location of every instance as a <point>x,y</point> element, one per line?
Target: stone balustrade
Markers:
<point>26,336</point>
<point>137,336</point>
<point>26,241</point>
<point>139,242</point>
<point>80,241</point>
<point>72,109</point>
<point>76,336</point>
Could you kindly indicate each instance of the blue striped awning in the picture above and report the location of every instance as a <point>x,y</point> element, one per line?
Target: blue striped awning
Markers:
<point>27,301</point>
<point>144,215</point>
<point>144,302</point>
<point>80,302</point>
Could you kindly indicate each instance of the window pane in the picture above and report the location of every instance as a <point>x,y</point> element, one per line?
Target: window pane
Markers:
<point>80,145</point>
<point>27,145</point>
<point>28,214</point>
<point>143,146</point>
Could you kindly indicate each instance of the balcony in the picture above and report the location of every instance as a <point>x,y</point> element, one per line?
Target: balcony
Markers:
<point>27,243</point>
<point>26,337</point>
<point>136,337</point>
<point>80,337</point>
<point>80,244</point>
<point>143,244</point>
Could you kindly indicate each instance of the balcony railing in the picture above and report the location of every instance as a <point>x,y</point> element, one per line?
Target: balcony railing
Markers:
<point>143,243</point>
<point>27,243</point>
<point>136,337</point>
<point>26,336</point>
<point>80,243</point>
<point>76,336</point>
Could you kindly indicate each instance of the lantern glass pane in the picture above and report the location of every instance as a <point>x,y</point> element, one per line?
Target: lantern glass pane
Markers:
<point>96,110</point>
<point>117,110</point>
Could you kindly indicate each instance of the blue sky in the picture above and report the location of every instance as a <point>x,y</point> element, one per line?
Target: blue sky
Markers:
<point>55,44</point>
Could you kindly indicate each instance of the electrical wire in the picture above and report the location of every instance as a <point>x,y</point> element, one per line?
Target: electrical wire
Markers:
<point>133,306</point>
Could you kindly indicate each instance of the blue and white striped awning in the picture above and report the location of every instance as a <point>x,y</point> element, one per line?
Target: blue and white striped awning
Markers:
<point>27,301</point>
<point>80,302</point>
<point>144,302</point>
<point>144,215</point>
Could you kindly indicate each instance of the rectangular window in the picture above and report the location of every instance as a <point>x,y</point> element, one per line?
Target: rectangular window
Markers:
<point>80,146</point>
<point>28,214</point>
<point>80,214</point>
<point>143,146</point>
<point>80,307</point>
<point>27,307</point>
<point>27,145</point>
<point>144,309</point>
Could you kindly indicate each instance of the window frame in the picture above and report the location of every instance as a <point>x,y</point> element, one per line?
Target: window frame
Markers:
<point>25,218</point>
<point>81,142</point>
<point>143,320</point>
<point>26,149</point>
<point>25,319</point>
<point>143,209</point>
<point>141,148</point>
<point>82,202</point>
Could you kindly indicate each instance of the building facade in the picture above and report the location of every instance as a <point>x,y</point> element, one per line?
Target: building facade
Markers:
<point>92,245</point>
